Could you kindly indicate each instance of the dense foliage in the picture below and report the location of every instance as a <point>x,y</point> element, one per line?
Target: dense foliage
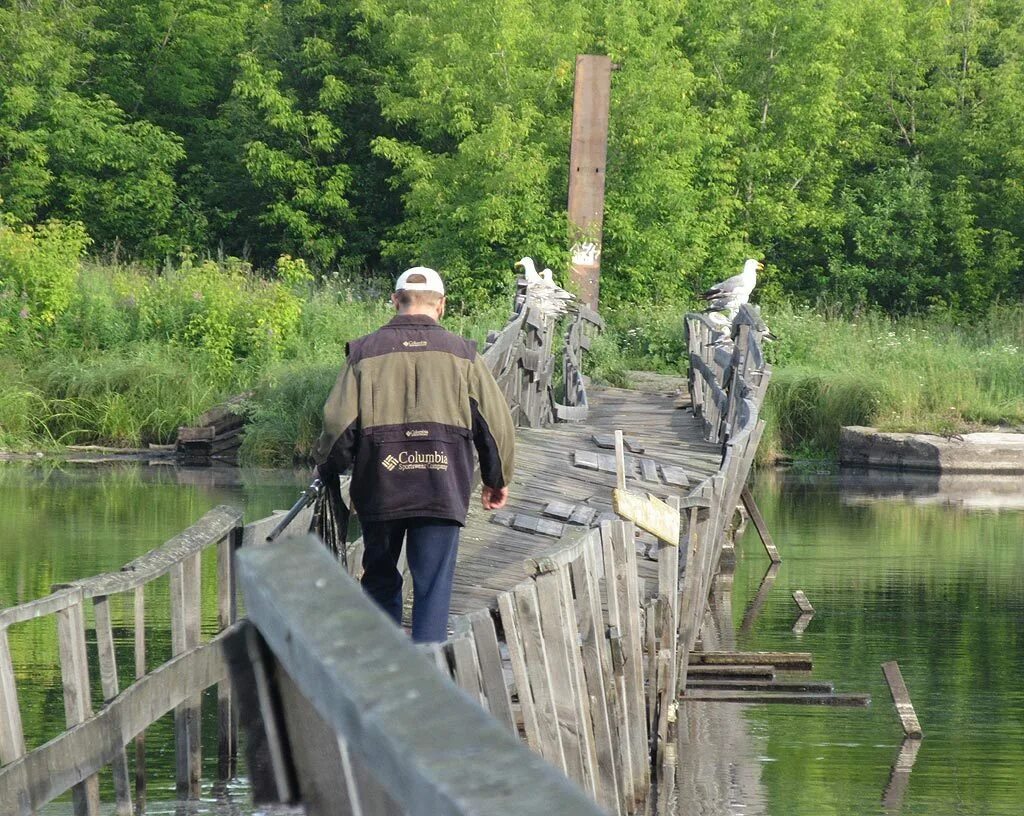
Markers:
<point>870,150</point>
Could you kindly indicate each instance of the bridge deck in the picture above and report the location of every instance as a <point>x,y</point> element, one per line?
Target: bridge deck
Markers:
<point>491,555</point>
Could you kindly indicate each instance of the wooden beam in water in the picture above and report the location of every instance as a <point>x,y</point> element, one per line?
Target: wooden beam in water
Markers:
<point>901,699</point>
<point>789,661</point>
<point>741,684</point>
<point>750,672</point>
<point>899,776</point>
<point>789,698</point>
<point>759,525</point>
<point>801,600</point>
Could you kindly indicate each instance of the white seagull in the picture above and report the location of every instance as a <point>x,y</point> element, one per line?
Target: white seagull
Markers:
<point>737,286</point>
<point>551,297</point>
<point>529,269</point>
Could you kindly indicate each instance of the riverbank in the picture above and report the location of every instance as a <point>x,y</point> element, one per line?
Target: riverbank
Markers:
<point>127,355</point>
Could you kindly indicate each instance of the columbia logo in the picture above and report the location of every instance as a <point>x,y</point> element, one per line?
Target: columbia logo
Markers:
<point>414,343</point>
<point>390,462</point>
<point>416,433</point>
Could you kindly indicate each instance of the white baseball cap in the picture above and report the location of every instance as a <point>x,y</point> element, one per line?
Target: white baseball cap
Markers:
<point>431,280</point>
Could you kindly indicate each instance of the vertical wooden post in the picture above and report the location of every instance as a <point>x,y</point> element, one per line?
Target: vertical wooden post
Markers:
<point>587,157</point>
<point>227,612</point>
<point>491,674</point>
<point>185,623</point>
<point>111,688</point>
<point>517,657</point>
<point>74,670</point>
<point>140,671</point>
<point>12,737</point>
<point>537,665</point>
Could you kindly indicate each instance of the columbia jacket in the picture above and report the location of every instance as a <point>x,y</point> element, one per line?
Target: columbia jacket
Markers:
<point>407,411</point>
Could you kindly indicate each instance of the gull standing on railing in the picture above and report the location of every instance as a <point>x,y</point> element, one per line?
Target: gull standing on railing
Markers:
<point>549,297</point>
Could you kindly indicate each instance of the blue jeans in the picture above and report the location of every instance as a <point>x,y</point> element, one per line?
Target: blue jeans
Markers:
<point>432,545</point>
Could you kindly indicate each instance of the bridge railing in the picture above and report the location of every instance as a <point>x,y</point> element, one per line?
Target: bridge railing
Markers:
<point>346,715</point>
<point>522,358</point>
<point>97,739</point>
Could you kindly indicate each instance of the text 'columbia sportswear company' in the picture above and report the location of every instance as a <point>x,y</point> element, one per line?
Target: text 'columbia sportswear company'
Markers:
<point>416,461</point>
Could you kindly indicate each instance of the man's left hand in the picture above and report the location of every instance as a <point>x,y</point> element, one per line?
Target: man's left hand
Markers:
<point>493,498</point>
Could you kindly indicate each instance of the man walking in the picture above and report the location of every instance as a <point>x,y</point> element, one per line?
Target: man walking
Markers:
<point>407,411</point>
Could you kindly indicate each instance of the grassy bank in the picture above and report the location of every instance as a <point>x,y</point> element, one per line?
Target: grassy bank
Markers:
<point>123,355</point>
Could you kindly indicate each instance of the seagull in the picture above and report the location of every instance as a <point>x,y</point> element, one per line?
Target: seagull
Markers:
<point>548,295</point>
<point>738,285</point>
<point>529,269</point>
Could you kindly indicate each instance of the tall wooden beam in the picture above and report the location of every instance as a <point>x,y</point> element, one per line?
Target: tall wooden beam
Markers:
<point>587,157</point>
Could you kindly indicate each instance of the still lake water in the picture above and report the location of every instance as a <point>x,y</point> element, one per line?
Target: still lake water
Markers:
<point>893,570</point>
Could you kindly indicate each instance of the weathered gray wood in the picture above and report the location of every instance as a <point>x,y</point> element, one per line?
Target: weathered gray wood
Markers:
<point>801,601</point>
<point>742,684</point>
<point>627,590</point>
<point>111,688</point>
<point>48,605</point>
<point>227,614</point>
<point>699,672</point>
<point>802,622</point>
<point>139,610</point>
<point>211,528</point>
<point>74,670</point>
<point>786,697</point>
<point>467,667</point>
<point>371,686</point>
<point>76,755</point>
<point>517,658</point>
<point>539,669</point>
<point>757,604</point>
<point>759,524</point>
<point>598,677</point>
<point>622,708</point>
<point>12,738</point>
<point>326,779</point>
<point>790,661</point>
<point>185,610</point>
<point>901,699</point>
<point>492,676</point>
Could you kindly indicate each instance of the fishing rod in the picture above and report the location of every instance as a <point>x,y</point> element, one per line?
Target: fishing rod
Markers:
<point>309,495</point>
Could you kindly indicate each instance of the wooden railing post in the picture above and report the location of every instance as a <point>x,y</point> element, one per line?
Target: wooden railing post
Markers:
<point>227,613</point>
<point>74,669</point>
<point>12,738</point>
<point>185,623</point>
<point>139,608</point>
<point>111,688</point>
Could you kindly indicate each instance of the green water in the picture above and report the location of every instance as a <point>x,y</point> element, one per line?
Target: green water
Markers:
<point>936,586</point>
<point>60,524</point>
<point>894,572</point>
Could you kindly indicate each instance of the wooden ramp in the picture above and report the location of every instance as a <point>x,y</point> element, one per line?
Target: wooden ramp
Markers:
<point>549,484</point>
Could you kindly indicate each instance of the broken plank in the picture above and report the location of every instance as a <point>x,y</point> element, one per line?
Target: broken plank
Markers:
<point>901,699</point>
<point>793,661</point>
<point>788,698</point>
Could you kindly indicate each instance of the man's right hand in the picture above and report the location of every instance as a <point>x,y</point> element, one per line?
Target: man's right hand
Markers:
<point>493,498</point>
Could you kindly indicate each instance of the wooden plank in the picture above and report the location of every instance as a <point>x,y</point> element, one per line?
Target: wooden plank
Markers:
<point>517,659</point>
<point>12,737</point>
<point>598,675</point>
<point>607,441</point>
<point>649,470</point>
<point>559,509</point>
<point>587,158</point>
<point>790,661</point>
<point>538,667</point>
<point>492,675</point>
<point>74,670</point>
<point>701,672</point>
<point>42,775</point>
<point>674,475</point>
<point>802,622</point>
<point>369,683</point>
<point>622,710</point>
<point>185,610</point>
<point>901,699</point>
<point>111,688</point>
<point>759,524</point>
<point>624,558</point>
<point>801,601</point>
<point>227,613</point>
<point>467,667</point>
<point>648,513</point>
<point>757,604</point>
<point>583,515</point>
<point>785,697</point>
<point>139,609</point>
<point>740,684</point>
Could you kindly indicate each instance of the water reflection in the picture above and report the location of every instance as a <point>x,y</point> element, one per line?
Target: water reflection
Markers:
<point>923,570</point>
<point>65,523</point>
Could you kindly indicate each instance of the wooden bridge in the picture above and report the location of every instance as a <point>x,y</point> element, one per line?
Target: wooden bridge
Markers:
<point>572,630</point>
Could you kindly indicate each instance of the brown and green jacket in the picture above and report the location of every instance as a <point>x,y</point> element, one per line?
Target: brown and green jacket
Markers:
<point>407,410</point>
